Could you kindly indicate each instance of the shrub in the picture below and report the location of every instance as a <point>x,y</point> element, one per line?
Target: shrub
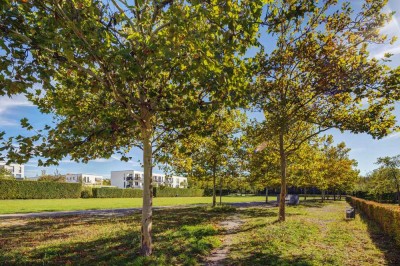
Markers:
<point>12,189</point>
<point>87,192</point>
<point>105,192</point>
<point>177,192</point>
<point>387,216</point>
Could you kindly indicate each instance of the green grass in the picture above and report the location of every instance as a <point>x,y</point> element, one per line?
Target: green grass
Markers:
<point>314,234</point>
<point>181,237</point>
<point>47,205</point>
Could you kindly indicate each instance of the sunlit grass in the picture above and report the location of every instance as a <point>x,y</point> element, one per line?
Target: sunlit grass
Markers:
<point>43,205</point>
<point>313,234</point>
<point>181,237</point>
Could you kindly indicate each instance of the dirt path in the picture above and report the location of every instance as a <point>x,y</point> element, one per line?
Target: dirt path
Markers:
<point>218,256</point>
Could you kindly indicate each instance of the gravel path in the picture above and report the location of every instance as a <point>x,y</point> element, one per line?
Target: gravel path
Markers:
<point>218,256</point>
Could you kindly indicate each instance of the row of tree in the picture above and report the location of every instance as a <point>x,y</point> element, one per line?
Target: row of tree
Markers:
<point>118,74</point>
<point>383,180</point>
<point>226,158</point>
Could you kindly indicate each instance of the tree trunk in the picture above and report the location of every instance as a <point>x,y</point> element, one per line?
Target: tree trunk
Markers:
<point>282,196</point>
<point>147,212</point>
<point>266,195</point>
<point>398,193</point>
<point>220,190</point>
<point>305,194</point>
<point>214,185</point>
<point>334,195</point>
<point>323,195</point>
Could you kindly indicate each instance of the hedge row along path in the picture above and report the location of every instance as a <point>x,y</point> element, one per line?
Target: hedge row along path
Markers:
<point>122,211</point>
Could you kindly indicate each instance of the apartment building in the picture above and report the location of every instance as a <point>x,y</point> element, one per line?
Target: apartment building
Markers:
<point>85,179</point>
<point>134,179</point>
<point>17,170</point>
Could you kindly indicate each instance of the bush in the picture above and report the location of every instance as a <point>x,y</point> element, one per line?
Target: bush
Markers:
<point>105,192</point>
<point>87,192</point>
<point>387,216</point>
<point>12,189</point>
<point>177,192</point>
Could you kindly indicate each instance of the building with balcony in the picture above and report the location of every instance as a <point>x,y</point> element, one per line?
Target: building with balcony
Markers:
<point>134,179</point>
<point>17,170</point>
<point>85,179</point>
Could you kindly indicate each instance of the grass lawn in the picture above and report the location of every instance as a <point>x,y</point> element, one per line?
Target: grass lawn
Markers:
<point>313,234</point>
<point>181,237</point>
<point>47,205</point>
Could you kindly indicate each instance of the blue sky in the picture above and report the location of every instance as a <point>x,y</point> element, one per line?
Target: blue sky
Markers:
<point>363,148</point>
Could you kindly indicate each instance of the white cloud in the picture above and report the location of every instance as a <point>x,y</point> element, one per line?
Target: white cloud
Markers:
<point>395,135</point>
<point>391,29</point>
<point>7,104</point>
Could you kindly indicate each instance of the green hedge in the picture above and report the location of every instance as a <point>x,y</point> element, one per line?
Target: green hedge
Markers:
<point>116,193</point>
<point>387,216</point>
<point>87,192</point>
<point>177,192</point>
<point>12,189</point>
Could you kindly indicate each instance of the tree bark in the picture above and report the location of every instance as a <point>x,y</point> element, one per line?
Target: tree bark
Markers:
<point>220,190</point>
<point>214,185</point>
<point>147,212</point>
<point>266,195</point>
<point>282,196</point>
<point>398,193</point>
<point>323,195</point>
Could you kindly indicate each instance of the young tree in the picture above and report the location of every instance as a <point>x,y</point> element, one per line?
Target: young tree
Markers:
<point>117,75</point>
<point>210,152</point>
<point>389,173</point>
<point>6,174</point>
<point>320,73</point>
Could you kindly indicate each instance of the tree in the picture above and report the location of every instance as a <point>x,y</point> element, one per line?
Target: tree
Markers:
<point>52,178</point>
<point>210,152</point>
<point>106,182</point>
<point>320,73</point>
<point>117,75</point>
<point>6,174</point>
<point>389,173</point>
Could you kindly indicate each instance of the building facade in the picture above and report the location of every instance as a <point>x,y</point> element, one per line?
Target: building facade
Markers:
<point>134,179</point>
<point>17,170</point>
<point>85,179</point>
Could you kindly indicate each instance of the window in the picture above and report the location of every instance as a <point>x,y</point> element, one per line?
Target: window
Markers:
<point>136,184</point>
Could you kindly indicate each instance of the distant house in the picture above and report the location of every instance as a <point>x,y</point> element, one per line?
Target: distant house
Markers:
<point>134,179</point>
<point>85,179</point>
<point>17,170</point>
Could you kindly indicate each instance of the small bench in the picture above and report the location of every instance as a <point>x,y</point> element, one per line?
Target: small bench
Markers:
<point>290,199</point>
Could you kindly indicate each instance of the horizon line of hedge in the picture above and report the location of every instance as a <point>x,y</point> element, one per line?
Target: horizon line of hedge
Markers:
<point>27,189</point>
<point>387,216</point>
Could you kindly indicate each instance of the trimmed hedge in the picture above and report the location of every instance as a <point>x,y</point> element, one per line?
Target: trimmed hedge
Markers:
<point>12,189</point>
<point>117,193</point>
<point>387,216</point>
<point>177,192</point>
<point>87,192</point>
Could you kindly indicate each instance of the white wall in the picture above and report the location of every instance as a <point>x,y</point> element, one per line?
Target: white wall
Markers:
<point>122,179</point>
<point>86,179</point>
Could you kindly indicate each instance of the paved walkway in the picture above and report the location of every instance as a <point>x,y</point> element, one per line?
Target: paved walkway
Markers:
<point>119,212</point>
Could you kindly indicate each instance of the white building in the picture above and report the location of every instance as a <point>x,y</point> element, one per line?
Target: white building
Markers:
<point>134,179</point>
<point>17,170</point>
<point>85,179</point>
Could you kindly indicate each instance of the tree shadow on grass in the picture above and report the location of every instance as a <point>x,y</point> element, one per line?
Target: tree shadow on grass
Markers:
<point>382,241</point>
<point>180,237</point>
<point>263,259</point>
